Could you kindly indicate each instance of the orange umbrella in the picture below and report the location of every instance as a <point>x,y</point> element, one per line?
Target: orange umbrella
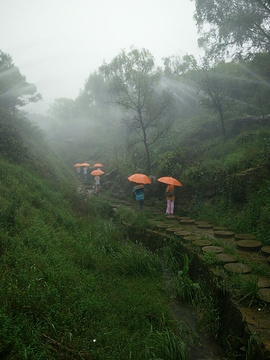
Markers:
<point>97,172</point>
<point>85,164</point>
<point>170,181</point>
<point>98,165</point>
<point>139,179</point>
<point>77,165</point>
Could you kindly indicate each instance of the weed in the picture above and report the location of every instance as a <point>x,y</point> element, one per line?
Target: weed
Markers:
<point>165,345</point>
<point>210,258</point>
<point>246,289</point>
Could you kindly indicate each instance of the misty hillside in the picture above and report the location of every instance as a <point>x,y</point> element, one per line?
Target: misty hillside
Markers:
<point>64,264</point>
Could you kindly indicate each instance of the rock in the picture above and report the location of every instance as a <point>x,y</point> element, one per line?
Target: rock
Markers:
<point>224,234</point>
<point>264,294</point>
<point>226,258</point>
<point>201,222</point>
<point>187,221</point>
<point>202,243</point>
<point>250,245</point>
<point>244,236</point>
<point>264,283</point>
<point>265,250</point>
<point>220,228</point>
<point>204,226</point>
<point>237,268</point>
<point>214,249</point>
<point>183,233</point>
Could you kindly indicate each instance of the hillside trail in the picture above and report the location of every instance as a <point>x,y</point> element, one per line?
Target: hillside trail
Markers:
<point>201,345</point>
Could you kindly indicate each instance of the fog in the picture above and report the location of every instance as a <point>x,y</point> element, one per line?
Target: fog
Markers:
<point>57,44</point>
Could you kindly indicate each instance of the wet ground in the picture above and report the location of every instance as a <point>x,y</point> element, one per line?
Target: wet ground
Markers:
<point>201,346</point>
<point>249,323</point>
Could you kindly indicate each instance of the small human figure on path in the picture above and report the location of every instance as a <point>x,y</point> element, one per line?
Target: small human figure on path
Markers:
<point>138,190</point>
<point>78,169</point>
<point>97,183</point>
<point>170,199</point>
<point>85,173</point>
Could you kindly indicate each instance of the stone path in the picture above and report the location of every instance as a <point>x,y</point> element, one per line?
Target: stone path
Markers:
<point>237,254</point>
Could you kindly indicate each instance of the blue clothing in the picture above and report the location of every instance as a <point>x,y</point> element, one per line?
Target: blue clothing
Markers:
<point>139,192</point>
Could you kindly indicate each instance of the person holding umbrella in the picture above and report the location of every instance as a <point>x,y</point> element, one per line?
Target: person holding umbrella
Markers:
<point>170,199</point>
<point>138,189</point>
<point>96,174</point>
<point>170,182</point>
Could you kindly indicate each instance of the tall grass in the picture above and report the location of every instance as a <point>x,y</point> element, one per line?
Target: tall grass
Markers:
<point>75,287</point>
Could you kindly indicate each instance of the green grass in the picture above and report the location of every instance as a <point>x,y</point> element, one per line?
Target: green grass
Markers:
<point>76,286</point>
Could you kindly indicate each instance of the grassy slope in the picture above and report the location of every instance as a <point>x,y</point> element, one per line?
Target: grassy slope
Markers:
<point>226,180</point>
<point>72,285</point>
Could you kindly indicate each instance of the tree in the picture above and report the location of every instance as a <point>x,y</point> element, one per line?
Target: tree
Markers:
<point>213,87</point>
<point>15,91</point>
<point>234,88</point>
<point>94,101</point>
<point>63,109</point>
<point>234,27</point>
<point>134,81</point>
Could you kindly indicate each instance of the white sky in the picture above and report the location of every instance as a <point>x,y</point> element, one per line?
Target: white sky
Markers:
<point>57,43</point>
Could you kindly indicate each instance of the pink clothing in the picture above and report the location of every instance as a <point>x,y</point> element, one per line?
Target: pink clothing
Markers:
<point>170,207</point>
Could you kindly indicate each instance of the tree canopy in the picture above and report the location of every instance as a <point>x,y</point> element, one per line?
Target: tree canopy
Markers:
<point>15,91</point>
<point>134,81</point>
<point>233,27</point>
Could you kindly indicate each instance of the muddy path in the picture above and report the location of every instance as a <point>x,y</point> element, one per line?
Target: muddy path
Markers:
<point>201,345</point>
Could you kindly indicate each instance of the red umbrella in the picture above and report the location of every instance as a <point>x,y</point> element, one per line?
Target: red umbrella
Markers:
<point>77,165</point>
<point>98,165</point>
<point>140,179</point>
<point>170,181</point>
<point>85,164</point>
<point>97,172</point>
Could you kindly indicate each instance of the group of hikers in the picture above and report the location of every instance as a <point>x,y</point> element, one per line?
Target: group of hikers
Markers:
<point>85,176</point>
<point>139,180</point>
<point>138,190</point>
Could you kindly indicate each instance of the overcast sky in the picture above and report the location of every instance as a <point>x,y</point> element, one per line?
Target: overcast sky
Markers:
<point>57,43</point>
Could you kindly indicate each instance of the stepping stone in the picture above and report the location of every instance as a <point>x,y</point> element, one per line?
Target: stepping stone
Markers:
<point>250,245</point>
<point>192,237</point>
<point>187,222</point>
<point>161,225</point>
<point>264,294</point>
<point>184,218</point>
<point>220,228</point>
<point>224,234</point>
<point>266,250</point>
<point>244,236</point>
<point>201,222</point>
<point>204,226</point>
<point>226,258</point>
<point>115,206</point>
<point>202,243</point>
<point>214,249</point>
<point>182,233</point>
<point>264,283</point>
<point>237,268</point>
<point>171,229</point>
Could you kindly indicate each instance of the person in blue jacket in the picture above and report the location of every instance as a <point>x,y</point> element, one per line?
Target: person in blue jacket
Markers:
<point>139,195</point>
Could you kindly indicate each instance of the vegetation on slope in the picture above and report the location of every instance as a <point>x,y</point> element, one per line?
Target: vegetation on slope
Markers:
<point>72,284</point>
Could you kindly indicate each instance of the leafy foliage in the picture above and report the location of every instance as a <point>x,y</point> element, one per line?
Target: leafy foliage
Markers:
<point>235,27</point>
<point>15,91</point>
<point>148,110</point>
